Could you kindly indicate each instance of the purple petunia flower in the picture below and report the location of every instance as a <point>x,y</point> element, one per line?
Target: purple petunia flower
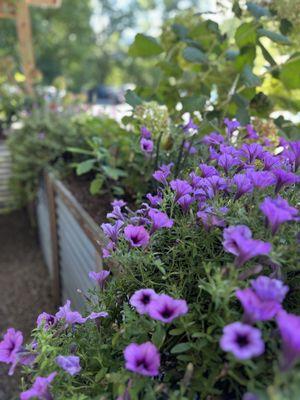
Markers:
<point>238,241</point>
<point>242,340</point>
<point>210,218</point>
<point>164,308</point>
<point>145,133</point>
<point>155,200</point>
<point>71,364</point>
<point>142,358</point>
<point>269,289</point>
<point>289,327</point>
<point>231,125</point>
<point>181,188</point>
<point>270,161</point>
<point>261,179</point>
<point>162,173</point>
<point>243,185</point>
<point>116,214</point>
<point>112,231</point>
<point>251,132</point>
<point>68,316</point>
<point>215,184</point>
<point>207,170</point>
<point>142,299</point>
<point>190,127</point>
<point>185,202</point>
<point>213,138</point>
<point>226,161</point>
<point>189,148</point>
<point>159,220</point>
<point>284,178</point>
<point>137,236</point>
<point>96,315</point>
<point>278,211</point>
<point>146,145</point>
<point>295,149</point>
<point>10,346</point>
<point>40,389</point>
<point>118,203</point>
<point>255,307</point>
<point>251,152</point>
<point>99,277</point>
<point>46,320</point>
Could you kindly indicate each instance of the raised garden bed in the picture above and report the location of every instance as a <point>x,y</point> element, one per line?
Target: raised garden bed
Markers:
<point>71,241</point>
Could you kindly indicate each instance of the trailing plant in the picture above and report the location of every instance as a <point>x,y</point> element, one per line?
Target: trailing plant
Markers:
<point>200,296</point>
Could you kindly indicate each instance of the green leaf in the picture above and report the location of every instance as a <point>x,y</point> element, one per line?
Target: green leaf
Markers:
<point>176,331</point>
<point>193,103</point>
<point>257,11</point>
<point>245,35</point>
<point>132,98</point>
<point>79,151</point>
<point>85,167</point>
<point>181,348</point>
<point>290,73</point>
<point>194,55</point>
<point>144,46</point>
<point>159,336</point>
<point>96,185</point>
<point>249,78</point>
<point>274,36</point>
<point>180,30</point>
<point>113,173</point>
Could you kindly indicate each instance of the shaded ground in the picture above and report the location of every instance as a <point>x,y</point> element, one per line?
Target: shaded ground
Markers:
<point>24,285</point>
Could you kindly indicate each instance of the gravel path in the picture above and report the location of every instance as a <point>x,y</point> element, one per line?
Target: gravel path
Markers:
<point>24,285</point>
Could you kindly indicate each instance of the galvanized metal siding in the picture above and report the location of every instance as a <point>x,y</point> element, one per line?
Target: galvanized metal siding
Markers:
<point>77,255</point>
<point>44,229</point>
<point>5,167</point>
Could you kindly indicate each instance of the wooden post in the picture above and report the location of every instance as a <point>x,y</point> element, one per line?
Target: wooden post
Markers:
<point>56,286</point>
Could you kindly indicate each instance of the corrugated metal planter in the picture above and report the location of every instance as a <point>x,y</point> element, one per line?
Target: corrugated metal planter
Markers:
<point>6,201</point>
<point>70,241</point>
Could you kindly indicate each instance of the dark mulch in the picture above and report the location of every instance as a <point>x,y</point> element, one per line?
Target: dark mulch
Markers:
<point>24,285</point>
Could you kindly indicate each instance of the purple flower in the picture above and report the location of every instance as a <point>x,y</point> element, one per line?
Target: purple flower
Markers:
<point>96,315</point>
<point>159,220</point>
<point>261,179</point>
<point>213,138</point>
<point>146,145</point>
<point>226,161</point>
<point>112,231</point>
<point>189,148</point>
<point>190,127</point>
<point>116,214</point>
<point>164,308</point>
<point>145,133</point>
<point>46,320</point>
<point>231,125</point>
<point>210,218</point>
<point>270,161</point>
<point>142,299</point>
<point>40,389</point>
<point>238,241</point>
<point>142,358</point>
<point>251,132</point>
<point>278,211</point>
<point>10,346</point>
<point>154,200</point>
<point>243,185</point>
<point>162,173</point>
<point>99,277</point>
<point>284,178</point>
<point>289,327</point>
<point>295,150</point>
<point>71,364</point>
<point>68,316</point>
<point>214,184</point>
<point>118,203</point>
<point>242,340</point>
<point>185,202</point>
<point>207,170</point>
<point>250,152</point>
<point>137,236</point>
<point>106,251</point>
<point>255,307</point>
<point>269,289</point>
<point>181,188</point>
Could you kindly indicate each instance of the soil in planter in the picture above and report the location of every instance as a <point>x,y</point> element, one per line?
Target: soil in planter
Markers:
<point>24,286</point>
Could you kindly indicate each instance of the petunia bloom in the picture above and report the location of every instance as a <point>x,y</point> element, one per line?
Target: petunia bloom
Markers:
<point>242,340</point>
<point>68,316</point>
<point>190,127</point>
<point>181,188</point>
<point>112,231</point>
<point>10,346</point>
<point>159,220</point>
<point>99,277</point>
<point>116,214</point>
<point>71,364</point>
<point>154,200</point>
<point>214,138</point>
<point>137,236</point>
<point>142,299</point>
<point>145,133</point>
<point>242,185</point>
<point>227,162</point>
<point>289,327</point>
<point>207,170</point>
<point>46,320</point>
<point>284,178</point>
<point>40,389</point>
<point>166,309</point>
<point>238,241</point>
<point>277,211</point>
<point>96,315</point>
<point>261,179</point>
<point>118,203</point>
<point>269,289</point>
<point>251,152</point>
<point>146,145</point>
<point>162,173</point>
<point>231,125</point>
<point>185,202</point>
<point>143,359</point>
<point>251,132</point>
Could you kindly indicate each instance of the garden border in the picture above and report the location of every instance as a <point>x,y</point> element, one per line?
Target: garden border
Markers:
<point>76,241</point>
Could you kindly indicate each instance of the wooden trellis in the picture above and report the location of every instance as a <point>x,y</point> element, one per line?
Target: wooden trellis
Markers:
<point>19,11</point>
